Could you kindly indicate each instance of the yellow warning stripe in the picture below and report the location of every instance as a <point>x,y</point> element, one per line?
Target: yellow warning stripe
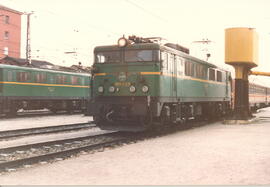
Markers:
<point>99,74</point>
<point>170,75</point>
<point>40,84</point>
<point>150,73</point>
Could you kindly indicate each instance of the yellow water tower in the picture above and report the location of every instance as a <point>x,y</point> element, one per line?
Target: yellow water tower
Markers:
<point>241,51</point>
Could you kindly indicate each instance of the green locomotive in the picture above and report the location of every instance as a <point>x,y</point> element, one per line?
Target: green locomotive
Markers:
<point>31,88</point>
<point>140,83</point>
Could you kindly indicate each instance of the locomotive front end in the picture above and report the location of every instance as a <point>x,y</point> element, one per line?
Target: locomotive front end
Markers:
<point>125,80</point>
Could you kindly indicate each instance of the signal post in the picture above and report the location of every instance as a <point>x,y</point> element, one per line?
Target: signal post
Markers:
<point>241,51</point>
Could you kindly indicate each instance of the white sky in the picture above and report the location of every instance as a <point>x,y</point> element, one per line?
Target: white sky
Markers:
<point>58,26</point>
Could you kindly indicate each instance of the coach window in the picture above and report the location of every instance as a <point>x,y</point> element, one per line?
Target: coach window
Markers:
<point>9,76</point>
<point>40,77</point>
<point>212,75</point>
<point>75,80</point>
<point>79,81</point>
<point>164,60</point>
<point>23,76</point>
<point>61,79</point>
<point>251,89</point>
<point>82,81</point>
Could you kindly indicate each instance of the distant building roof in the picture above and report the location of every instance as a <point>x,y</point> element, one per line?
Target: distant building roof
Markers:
<point>79,68</point>
<point>22,62</point>
<point>10,10</point>
<point>43,64</point>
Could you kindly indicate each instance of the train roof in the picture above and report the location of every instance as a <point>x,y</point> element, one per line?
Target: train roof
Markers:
<point>258,85</point>
<point>133,46</point>
<point>41,70</point>
<point>154,46</point>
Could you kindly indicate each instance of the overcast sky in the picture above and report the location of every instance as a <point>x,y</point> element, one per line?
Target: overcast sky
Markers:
<point>59,26</point>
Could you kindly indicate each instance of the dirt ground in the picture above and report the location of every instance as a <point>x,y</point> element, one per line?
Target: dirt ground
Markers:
<point>213,154</point>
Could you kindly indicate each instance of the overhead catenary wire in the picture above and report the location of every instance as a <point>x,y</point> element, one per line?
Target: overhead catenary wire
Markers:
<point>146,11</point>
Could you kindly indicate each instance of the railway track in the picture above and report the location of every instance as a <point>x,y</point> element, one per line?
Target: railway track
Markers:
<point>43,130</point>
<point>26,155</point>
<point>12,158</point>
<point>33,113</point>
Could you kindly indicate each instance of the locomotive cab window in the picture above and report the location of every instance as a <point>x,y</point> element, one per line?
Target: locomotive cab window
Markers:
<point>108,57</point>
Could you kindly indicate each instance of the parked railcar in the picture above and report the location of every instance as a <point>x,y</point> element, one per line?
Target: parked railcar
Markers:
<point>140,83</point>
<point>31,88</point>
<point>259,96</point>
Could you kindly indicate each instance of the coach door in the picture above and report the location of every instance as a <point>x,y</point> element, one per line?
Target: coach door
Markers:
<point>173,68</point>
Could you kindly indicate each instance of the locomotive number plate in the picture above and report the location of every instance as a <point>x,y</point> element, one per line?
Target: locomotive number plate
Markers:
<point>123,84</point>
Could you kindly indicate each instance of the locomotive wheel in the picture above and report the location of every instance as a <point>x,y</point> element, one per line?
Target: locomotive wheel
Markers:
<point>71,111</point>
<point>12,112</point>
<point>53,110</point>
<point>146,120</point>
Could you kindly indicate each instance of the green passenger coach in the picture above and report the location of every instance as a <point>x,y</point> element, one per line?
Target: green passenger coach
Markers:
<point>32,88</point>
<point>140,83</point>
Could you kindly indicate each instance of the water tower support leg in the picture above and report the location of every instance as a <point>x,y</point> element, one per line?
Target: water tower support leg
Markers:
<point>241,101</point>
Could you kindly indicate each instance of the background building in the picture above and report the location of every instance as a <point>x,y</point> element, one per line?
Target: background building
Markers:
<point>10,32</point>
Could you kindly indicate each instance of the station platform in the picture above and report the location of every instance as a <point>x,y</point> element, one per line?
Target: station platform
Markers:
<point>215,154</point>
<point>41,121</point>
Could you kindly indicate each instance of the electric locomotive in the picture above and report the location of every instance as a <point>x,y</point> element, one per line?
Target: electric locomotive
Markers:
<point>32,88</point>
<point>141,83</point>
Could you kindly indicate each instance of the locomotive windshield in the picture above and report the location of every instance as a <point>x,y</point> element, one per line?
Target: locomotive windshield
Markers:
<point>141,55</point>
<point>129,56</point>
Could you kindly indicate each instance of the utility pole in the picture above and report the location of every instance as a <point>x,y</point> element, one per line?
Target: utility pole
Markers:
<point>28,45</point>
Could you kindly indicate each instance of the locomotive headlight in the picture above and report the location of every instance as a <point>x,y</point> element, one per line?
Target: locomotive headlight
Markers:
<point>111,89</point>
<point>145,88</point>
<point>132,89</point>
<point>122,42</point>
<point>100,89</point>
